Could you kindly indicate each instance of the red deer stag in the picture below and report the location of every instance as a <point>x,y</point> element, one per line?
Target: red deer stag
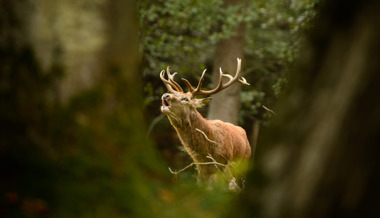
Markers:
<point>204,139</point>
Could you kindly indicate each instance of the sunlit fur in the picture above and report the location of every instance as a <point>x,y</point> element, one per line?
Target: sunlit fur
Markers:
<point>226,142</point>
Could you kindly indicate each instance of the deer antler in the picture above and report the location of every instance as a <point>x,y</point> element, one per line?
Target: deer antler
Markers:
<point>220,85</point>
<point>170,84</point>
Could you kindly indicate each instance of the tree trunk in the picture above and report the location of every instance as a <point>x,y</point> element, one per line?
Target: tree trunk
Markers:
<point>72,33</point>
<point>226,104</point>
<point>82,158</point>
<point>255,135</point>
<point>321,158</point>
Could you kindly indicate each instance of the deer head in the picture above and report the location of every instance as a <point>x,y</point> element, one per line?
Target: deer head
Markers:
<point>178,105</point>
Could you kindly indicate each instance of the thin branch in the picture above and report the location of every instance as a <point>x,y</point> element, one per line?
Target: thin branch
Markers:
<point>263,106</point>
<point>226,165</point>
<point>154,122</point>
<point>206,136</point>
<point>179,171</point>
<point>230,163</point>
<point>232,183</point>
<point>210,157</point>
<point>214,162</point>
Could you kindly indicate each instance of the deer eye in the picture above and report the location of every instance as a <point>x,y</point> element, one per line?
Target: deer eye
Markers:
<point>185,99</point>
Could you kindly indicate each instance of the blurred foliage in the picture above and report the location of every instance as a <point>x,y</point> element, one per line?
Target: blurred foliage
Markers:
<point>183,31</point>
<point>63,160</point>
<point>90,156</point>
<point>87,158</point>
<point>183,34</point>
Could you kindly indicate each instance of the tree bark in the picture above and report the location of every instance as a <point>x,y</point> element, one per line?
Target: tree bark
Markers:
<point>226,104</point>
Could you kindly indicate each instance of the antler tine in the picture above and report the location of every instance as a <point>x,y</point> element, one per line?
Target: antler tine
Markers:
<point>169,85</point>
<point>220,85</point>
<point>232,79</point>
<point>242,80</point>
<point>188,84</point>
<point>171,79</point>
<point>200,81</point>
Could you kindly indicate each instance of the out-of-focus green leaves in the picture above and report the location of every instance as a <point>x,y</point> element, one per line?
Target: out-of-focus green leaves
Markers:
<point>279,86</point>
<point>183,34</point>
<point>89,157</point>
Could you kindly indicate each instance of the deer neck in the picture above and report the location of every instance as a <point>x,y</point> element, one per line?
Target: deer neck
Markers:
<point>193,121</point>
<point>190,134</point>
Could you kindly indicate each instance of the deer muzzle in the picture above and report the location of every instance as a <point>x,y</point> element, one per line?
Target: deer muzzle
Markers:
<point>165,103</point>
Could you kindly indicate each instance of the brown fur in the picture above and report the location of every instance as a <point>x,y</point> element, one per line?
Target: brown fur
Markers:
<point>231,142</point>
<point>225,142</point>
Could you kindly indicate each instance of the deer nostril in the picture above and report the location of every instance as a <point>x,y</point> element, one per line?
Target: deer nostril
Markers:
<point>165,96</point>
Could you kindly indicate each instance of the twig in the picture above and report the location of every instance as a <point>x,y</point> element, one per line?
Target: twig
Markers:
<point>210,157</point>
<point>179,171</point>
<point>232,183</point>
<point>263,106</point>
<point>206,136</point>
<point>230,163</point>
<point>154,122</point>
<point>214,162</point>
<point>226,165</point>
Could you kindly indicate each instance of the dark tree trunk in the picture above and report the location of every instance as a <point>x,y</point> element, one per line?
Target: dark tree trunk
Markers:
<point>226,104</point>
<point>321,159</point>
<point>81,158</point>
<point>255,135</point>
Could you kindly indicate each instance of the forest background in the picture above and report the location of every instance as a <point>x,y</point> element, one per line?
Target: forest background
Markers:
<point>81,131</point>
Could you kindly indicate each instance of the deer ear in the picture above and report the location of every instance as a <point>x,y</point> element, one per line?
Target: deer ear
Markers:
<point>202,102</point>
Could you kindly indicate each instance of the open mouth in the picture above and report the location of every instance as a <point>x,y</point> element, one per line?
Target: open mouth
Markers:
<point>165,103</point>
<point>165,106</point>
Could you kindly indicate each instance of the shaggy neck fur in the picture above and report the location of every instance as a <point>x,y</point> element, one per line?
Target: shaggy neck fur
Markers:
<point>195,143</point>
